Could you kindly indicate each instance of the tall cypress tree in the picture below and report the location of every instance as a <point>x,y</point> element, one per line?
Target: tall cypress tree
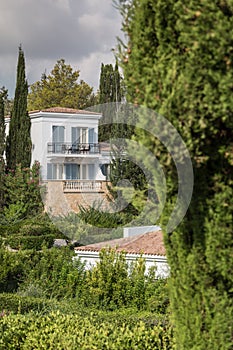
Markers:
<point>178,62</point>
<point>2,146</point>
<point>18,147</point>
<point>110,89</point>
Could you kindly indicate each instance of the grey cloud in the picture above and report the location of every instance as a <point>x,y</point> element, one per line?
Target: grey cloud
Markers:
<point>53,29</point>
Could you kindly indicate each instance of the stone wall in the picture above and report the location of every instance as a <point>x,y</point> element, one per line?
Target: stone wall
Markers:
<point>58,202</point>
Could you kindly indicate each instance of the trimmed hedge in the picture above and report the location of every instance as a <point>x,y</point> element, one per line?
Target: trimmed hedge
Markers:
<point>57,331</point>
<point>30,242</point>
<point>11,302</point>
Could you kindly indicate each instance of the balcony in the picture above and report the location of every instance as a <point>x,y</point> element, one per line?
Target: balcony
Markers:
<point>73,148</point>
<point>84,186</point>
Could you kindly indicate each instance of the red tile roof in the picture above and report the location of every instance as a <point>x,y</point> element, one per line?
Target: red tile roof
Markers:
<point>147,243</point>
<point>63,110</point>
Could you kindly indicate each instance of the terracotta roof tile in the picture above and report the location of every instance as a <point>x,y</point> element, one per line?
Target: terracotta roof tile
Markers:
<point>147,243</point>
<point>63,110</point>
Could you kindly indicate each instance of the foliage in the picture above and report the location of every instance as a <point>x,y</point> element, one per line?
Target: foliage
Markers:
<point>112,284</point>
<point>34,226</point>
<point>60,88</point>
<point>110,89</point>
<point>22,304</point>
<point>56,273</point>
<point>108,281</point>
<point>3,93</point>
<point>32,233</point>
<point>22,193</point>
<point>75,332</point>
<point>18,142</point>
<point>14,266</point>
<point>177,61</point>
<point>99,218</point>
<point>30,242</point>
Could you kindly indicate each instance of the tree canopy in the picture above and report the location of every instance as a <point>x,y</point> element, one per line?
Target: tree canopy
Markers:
<point>60,88</point>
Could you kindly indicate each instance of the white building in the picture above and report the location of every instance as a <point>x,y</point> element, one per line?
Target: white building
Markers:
<point>149,245</point>
<point>65,142</point>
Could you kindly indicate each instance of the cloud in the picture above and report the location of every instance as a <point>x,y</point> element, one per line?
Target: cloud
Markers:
<point>81,32</point>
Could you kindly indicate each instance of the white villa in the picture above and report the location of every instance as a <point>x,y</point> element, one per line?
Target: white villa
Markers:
<point>65,142</point>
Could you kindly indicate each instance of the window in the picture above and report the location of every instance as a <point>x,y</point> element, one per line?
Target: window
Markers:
<point>91,171</point>
<point>79,135</point>
<point>72,171</point>
<point>80,172</point>
<point>58,136</point>
<point>54,171</point>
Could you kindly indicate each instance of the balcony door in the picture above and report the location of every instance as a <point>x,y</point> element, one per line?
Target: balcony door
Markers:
<point>79,135</point>
<point>58,138</point>
<point>72,171</point>
<point>80,172</point>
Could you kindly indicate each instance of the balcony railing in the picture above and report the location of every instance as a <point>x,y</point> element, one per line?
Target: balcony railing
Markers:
<point>73,148</point>
<point>83,186</point>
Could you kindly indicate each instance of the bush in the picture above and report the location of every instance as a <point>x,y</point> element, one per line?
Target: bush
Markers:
<point>14,267</point>
<point>112,283</point>
<point>56,273</point>
<point>12,302</point>
<point>30,242</point>
<point>57,331</point>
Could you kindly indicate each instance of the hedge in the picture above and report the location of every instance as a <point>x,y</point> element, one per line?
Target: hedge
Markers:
<point>11,302</point>
<point>57,331</point>
<point>30,242</point>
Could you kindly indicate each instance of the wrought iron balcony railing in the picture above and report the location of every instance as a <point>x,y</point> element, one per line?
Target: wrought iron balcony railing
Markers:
<point>73,148</point>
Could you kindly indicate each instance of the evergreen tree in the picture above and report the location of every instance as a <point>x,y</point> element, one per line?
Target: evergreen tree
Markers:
<point>110,93</point>
<point>110,89</point>
<point>177,61</point>
<point>60,88</point>
<point>18,146</point>
<point>2,145</point>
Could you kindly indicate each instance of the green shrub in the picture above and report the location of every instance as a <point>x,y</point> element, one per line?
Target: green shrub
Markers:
<point>56,273</point>
<point>12,302</point>
<point>30,242</point>
<point>57,331</point>
<point>14,266</point>
<point>96,217</point>
<point>112,283</point>
<point>22,193</point>
<point>10,229</point>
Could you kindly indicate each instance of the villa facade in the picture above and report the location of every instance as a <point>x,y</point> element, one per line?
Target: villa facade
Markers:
<point>65,142</point>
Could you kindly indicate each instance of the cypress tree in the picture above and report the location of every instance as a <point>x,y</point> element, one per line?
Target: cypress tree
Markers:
<point>110,92</point>
<point>178,62</point>
<point>18,148</point>
<point>110,89</point>
<point>2,146</point>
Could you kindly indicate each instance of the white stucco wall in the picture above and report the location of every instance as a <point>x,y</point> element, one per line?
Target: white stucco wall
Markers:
<point>91,258</point>
<point>41,134</point>
<point>139,230</point>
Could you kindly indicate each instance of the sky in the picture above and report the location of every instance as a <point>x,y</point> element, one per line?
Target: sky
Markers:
<point>83,32</point>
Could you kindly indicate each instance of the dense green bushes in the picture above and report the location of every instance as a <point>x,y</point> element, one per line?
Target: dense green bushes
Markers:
<point>30,233</point>
<point>57,331</point>
<point>30,242</point>
<point>15,303</point>
<point>52,273</point>
<point>112,283</point>
<point>14,267</point>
